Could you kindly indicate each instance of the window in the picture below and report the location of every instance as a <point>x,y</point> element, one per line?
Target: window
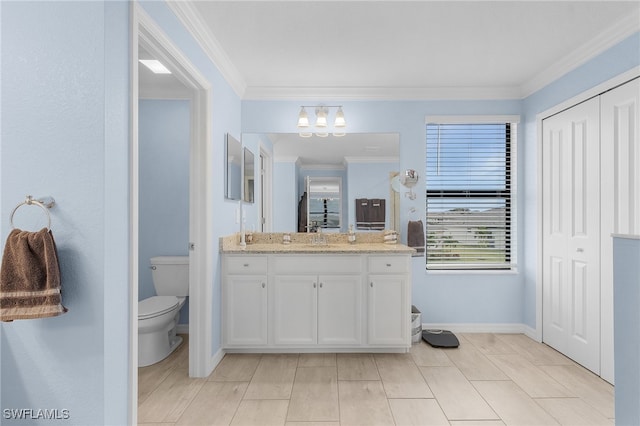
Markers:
<point>469,195</point>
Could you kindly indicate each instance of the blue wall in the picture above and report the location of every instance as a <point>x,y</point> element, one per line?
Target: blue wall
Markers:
<point>65,130</point>
<point>476,298</point>
<point>164,141</point>
<point>65,74</point>
<point>369,180</point>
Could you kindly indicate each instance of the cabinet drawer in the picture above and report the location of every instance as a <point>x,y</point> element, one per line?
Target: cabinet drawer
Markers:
<point>317,264</point>
<point>246,265</point>
<point>388,264</point>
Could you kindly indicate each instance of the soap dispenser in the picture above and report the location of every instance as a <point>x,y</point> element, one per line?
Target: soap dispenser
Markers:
<point>352,235</point>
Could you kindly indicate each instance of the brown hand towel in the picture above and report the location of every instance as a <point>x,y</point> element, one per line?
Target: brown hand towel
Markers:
<point>30,277</point>
<point>415,236</point>
<point>362,213</point>
<point>377,214</point>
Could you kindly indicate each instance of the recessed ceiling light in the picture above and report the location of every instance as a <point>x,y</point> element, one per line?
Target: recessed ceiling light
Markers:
<point>155,66</point>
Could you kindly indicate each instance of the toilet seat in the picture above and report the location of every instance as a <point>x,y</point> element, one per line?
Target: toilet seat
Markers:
<point>156,305</point>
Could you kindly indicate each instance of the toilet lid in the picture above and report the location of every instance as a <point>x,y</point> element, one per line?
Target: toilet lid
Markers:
<point>156,305</point>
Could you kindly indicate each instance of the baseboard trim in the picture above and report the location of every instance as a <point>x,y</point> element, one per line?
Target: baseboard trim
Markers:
<point>480,328</point>
<point>215,360</point>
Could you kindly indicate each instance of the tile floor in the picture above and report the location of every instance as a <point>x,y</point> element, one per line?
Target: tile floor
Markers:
<point>491,379</point>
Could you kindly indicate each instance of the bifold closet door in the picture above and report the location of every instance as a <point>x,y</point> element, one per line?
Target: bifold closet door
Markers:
<point>620,153</point>
<point>571,233</point>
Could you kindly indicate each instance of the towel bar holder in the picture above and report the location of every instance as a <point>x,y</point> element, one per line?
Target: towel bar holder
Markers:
<point>44,203</point>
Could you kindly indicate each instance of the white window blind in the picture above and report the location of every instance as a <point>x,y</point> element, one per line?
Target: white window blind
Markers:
<point>469,211</point>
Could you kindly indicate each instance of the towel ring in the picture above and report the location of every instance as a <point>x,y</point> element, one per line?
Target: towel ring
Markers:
<point>44,205</point>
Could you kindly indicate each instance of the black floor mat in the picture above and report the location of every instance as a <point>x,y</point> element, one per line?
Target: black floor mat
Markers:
<point>440,338</point>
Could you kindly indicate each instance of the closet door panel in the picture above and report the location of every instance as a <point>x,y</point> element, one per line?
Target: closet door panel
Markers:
<point>571,233</point>
<point>620,153</point>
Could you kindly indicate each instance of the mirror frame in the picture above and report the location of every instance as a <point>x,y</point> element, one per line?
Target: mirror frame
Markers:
<point>248,176</point>
<point>233,151</point>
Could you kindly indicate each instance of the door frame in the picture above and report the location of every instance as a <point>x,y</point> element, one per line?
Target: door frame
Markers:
<point>145,30</point>
<point>594,91</point>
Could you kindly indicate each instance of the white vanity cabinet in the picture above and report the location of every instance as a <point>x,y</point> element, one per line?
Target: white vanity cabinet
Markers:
<point>316,302</point>
<point>323,306</point>
<point>387,300</point>
<point>244,296</point>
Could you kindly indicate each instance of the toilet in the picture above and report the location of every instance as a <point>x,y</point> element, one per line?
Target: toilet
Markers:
<point>159,315</point>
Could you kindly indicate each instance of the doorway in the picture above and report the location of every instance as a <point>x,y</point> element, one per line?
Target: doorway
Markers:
<point>200,245</point>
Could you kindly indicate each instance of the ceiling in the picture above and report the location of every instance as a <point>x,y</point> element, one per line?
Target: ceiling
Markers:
<point>402,49</point>
<point>391,50</point>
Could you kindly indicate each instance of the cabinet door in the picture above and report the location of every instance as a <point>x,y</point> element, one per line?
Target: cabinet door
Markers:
<point>295,310</point>
<point>245,310</point>
<point>388,310</point>
<point>339,309</point>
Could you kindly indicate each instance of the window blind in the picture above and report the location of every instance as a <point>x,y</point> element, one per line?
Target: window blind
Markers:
<point>468,192</point>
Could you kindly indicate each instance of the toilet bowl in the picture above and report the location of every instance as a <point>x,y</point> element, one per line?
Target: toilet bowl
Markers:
<point>158,316</point>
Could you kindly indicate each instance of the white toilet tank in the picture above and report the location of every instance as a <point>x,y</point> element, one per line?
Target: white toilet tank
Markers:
<point>170,275</point>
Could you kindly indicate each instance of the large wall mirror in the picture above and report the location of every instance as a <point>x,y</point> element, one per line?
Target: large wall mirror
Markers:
<point>363,163</point>
<point>233,168</point>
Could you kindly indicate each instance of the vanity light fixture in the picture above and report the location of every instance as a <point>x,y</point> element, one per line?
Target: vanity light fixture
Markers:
<point>322,122</point>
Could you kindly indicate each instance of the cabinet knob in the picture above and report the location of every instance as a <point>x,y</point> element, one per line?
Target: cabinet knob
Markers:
<point>246,265</point>
<point>314,285</point>
<point>371,283</point>
<point>263,285</point>
<point>320,285</point>
<point>388,265</point>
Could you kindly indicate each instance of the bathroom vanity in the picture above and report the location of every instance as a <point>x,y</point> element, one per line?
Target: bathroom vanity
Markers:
<point>305,297</point>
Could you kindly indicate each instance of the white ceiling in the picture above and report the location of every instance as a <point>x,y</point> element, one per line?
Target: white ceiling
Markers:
<point>392,50</point>
<point>402,49</point>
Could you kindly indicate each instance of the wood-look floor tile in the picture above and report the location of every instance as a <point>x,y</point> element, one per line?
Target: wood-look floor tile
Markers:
<point>583,383</point>
<point>536,353</point>
<point>260,412</point>
<point>170,399</point>
<point>312,424</point>
<point>273,379</point>
<point>529,377</point>
<point>215,404</point>
<point>489,343</point>
<point>573,412</point>
<point>363,403</point>
<point>317,360</point>
<point>417,412</point>
<point>400,376</point>
<point>315,395</point>
<point>236,368</point>
<point>426,356</point>
<point>150,377</point>
<point>477,423</point>
<point>357,367</point>
<point>512,404</point>
<point>473,364</point>
<point>455,394</point>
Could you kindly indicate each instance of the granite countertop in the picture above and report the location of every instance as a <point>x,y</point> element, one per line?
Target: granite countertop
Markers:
<point>271,243</point>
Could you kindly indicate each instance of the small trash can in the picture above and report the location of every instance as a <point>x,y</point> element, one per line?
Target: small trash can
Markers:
<point>416,325</point>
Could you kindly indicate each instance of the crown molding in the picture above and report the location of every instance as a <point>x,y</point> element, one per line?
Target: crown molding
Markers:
<point>378,93</point>
<point>589,50</point>
<point>190,18</point>
<point>349,160</point>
